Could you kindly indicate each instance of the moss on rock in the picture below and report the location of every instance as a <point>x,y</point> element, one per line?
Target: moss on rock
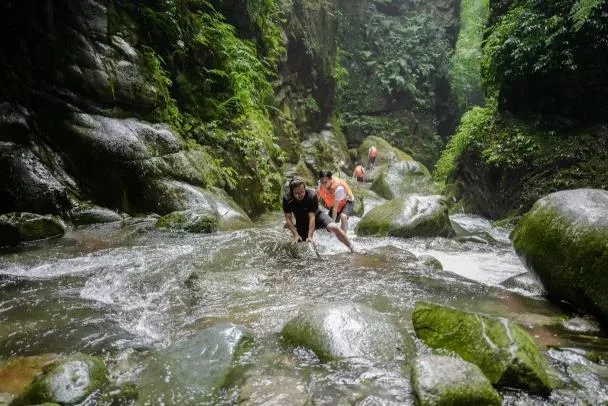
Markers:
<point>402,178</point>
<point>67,381</point>
<point>386,152</point>
<point>505,353</point>
<point>22,227</point>
<point>189,220</point>
<point>17,374</point>
<point>563,239</point>
<point>410,216</point>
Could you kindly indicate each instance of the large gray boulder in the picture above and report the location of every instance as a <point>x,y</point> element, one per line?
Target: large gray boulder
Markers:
<point>563,240</point>
<point>32,178</point>
<point>326,151</point>
<point>343,330</point>
<point>192,370</point>
<point>403,178</point>
<point>86,214</point>
<point>387,154</point>
<point>451,381</point>
<point>16,228</point>
<point>194,209</point>
<point>506,354</point>
<point>410,216</point>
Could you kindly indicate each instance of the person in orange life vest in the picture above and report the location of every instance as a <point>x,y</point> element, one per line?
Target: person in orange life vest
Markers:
<point>302,205</point>
<point>359,172</point>
<point>337,197</point>
<point>371,156</point>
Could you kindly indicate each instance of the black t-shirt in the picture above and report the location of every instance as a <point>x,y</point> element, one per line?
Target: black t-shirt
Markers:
<point>301,208</point>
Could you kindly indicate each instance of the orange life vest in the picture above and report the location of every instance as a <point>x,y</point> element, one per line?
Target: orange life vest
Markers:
<point>373,152</point>
<point>359,171</point>
<point>328,194</point>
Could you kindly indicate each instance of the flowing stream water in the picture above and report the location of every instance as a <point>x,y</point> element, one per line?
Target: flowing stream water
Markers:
<point>122,290</point>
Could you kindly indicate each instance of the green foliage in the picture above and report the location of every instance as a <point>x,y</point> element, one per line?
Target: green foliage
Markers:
<point>470,133</point>
<point>311,105</point>
<point>581,11</point>
<point>465,70</point>
<point>269,19</point>
<point>538,47</point>
<point>500,144</point>
<point>406,55</point>
<point>525,42</point>
<point>391,57</point>
<point>513,147</point>
<point>158,77</point>
<point>216,85</point>
<point>340,73</point>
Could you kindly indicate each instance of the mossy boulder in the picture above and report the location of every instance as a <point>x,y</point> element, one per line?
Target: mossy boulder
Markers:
<point>326,151</point>
<point>402,178</point>
<point>342,330</point>
<point>192,370</point>
<point>196,206</point>
<point>31,181</point>
<point>17,374</point>
<point>300,170</point>
<point>451,381</point>
<point>363,195</point>
<point>189,220</point>
<point>410,216</point>
<point>67,381</point>
<point>563,240</point>
<point>387,154</point>
<point>16,228</point>
<point>230,215</point>
<point>506,354</point>
<point>90,214</point>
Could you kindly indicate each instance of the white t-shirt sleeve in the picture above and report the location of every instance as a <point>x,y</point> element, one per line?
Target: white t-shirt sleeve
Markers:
<point>340,194</point>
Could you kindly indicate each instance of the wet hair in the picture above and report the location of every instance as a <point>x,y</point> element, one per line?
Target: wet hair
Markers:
<point>294,183</point>
<point>324,174</point>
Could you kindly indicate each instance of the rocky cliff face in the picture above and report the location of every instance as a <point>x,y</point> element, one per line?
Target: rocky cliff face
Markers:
<point>98,104</point>
<point>306,91</point>
<point>545,127</point>
<point>71,93</point>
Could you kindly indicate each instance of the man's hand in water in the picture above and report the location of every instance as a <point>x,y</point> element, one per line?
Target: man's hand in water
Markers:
<point>296,240</point>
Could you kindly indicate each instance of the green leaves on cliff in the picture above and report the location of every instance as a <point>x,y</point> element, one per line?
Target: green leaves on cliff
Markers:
<point>465,72</point>
<point>406,54</point>
<point>470,134</point>
<point>395,56</point>
<point>581,11</point>
<point>218,82</point>
<point>550,55</point>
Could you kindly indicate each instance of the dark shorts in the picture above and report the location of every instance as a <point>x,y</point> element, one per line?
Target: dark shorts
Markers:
<point>347,209</point>
<point>360,179</point>
<point>322,220</point>
<point>372,159</point>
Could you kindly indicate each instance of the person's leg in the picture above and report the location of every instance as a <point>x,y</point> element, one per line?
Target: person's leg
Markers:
<point>344,222</point>
<point>324,221</point>
<point>345,213</point>
<point>341,236</point>
<point>302,231</point>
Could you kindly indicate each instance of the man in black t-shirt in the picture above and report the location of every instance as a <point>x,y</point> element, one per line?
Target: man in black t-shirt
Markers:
<point>303,205</point>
